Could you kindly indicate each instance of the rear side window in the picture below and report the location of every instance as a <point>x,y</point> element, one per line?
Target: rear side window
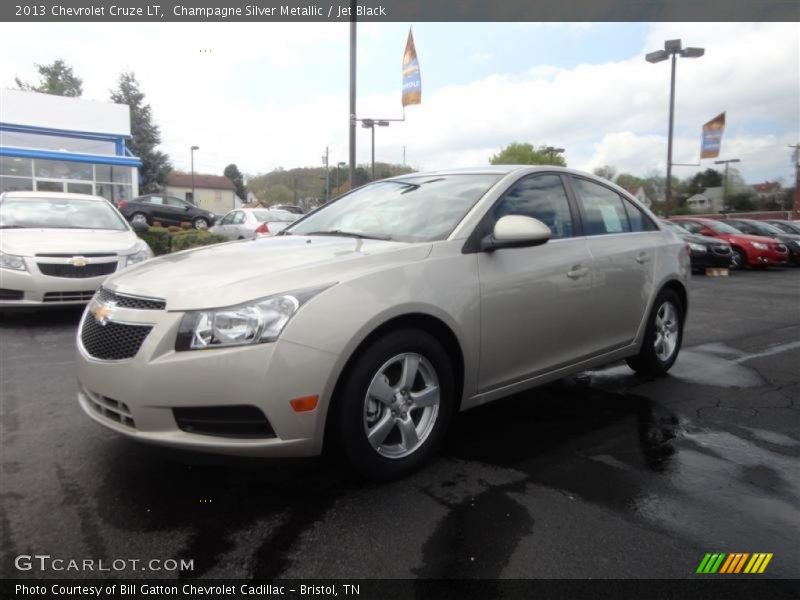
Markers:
<point>541,197</point>
<point>637,219</point>
<point>603,209</point>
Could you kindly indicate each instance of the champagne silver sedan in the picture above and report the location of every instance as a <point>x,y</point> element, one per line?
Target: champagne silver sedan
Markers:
<point>368,324</point>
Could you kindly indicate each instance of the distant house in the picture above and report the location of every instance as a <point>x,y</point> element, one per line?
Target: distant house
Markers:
<point>767,191</point>
<point>211,192</point>
<point>640,195</point>
<point>711,200</point>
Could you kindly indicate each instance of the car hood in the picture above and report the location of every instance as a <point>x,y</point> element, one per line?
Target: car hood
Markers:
<point>237,272</point>
<point>29,242</point>
<point>703,239</point>
<point>744,237</point>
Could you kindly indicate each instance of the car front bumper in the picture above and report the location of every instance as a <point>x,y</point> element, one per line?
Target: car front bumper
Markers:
<point>32,289</point>
<point>136,397</point>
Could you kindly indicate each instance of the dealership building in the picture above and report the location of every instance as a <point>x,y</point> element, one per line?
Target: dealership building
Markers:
<point>59,144</point>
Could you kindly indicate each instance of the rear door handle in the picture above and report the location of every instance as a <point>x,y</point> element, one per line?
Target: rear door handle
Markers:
<point>577,271</point>
<point>642,258</point>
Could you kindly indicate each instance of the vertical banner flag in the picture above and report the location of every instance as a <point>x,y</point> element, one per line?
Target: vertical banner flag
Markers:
<point>412,84</point>
<point>712,137</point>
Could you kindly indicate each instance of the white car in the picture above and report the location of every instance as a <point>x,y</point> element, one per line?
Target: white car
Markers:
<point>251,223</point>
<point>367,324</point>
<point>56,248</point>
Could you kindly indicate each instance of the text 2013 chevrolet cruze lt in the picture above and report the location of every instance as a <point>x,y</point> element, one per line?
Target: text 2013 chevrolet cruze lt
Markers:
<point>370,322</point>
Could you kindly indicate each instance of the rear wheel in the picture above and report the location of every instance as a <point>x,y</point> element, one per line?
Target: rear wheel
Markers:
<point>663,336</point>
<point>395,405</point>
<point>738,259</point>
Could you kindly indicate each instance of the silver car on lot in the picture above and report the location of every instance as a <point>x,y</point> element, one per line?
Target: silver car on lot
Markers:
<point>366,325</point>
<point>56,248</point>
<point>250,223</point>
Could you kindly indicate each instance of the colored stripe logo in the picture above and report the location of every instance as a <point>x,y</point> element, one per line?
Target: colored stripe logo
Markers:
<point>734,563</point>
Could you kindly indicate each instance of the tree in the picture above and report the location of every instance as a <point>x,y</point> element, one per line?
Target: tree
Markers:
<point>702,180</point>
<point>525,154</point>
<point>145,135</point>
<point>233,173</point>
<point>606,172</point>
<point>56,78</point>
<point>629,182</point>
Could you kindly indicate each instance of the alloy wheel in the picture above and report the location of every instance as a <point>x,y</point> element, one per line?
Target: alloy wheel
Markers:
<point>666,325</point>
<point>401,405</point>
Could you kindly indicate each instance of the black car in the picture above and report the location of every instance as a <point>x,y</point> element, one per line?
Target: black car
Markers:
<point>785,226</point>
<point>754,227</point>
<point>167,210</point>
<point>704,251</point>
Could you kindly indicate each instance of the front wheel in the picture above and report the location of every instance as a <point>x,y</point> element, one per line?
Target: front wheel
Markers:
<point>738,260</point>
<point>395,405</point>
<point>663,336</point>
<point>200,223</point>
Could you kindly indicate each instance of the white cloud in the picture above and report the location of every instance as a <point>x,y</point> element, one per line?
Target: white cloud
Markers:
<point>227,102</point>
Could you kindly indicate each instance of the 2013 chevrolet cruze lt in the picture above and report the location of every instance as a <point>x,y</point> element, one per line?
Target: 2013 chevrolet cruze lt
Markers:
<point>370,322</point>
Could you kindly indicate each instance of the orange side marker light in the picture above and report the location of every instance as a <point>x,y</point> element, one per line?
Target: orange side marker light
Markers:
<point>304,404</point>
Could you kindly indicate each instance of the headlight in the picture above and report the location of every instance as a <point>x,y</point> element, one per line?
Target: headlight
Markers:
<point>255,322</point>
<point>141,255</point>
<point>698,247</point>
<point>10,261</point>
<point>759,246</point>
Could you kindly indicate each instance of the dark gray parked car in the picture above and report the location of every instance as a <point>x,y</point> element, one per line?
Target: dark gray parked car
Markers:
<point>167,210</point>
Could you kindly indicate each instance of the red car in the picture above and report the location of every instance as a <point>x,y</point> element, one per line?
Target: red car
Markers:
<point>748,250</point>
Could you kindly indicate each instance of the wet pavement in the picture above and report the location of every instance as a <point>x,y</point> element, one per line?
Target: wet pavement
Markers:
<point>602,475</point>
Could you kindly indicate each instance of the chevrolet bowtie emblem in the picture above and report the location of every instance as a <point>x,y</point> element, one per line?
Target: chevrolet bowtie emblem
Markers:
<point>102,313</point>
<point>78,261</point>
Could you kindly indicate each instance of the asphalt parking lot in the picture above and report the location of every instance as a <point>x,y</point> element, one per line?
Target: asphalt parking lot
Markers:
<point>605,475</point>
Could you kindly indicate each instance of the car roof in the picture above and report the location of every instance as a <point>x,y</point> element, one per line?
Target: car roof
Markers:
<point>43,194</point>
<point>490,170</point>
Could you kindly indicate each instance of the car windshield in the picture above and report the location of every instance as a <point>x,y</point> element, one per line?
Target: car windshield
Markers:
<point>262,216</point>
<point>414,209</point>
<point>675,226</point>
<point>58,213</point>
<point>764,228</point>
<point>721,227</point>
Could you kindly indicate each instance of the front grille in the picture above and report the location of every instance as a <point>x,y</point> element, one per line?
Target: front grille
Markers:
<point>112,341</point>
<point>73,272</point>
<point>111,409</point>
<point>123,301</point>
<point>11,294</point>
<point>68,296</point>
<point>240,421</point>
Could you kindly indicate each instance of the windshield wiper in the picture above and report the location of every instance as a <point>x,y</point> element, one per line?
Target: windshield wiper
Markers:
<point>354,234</point>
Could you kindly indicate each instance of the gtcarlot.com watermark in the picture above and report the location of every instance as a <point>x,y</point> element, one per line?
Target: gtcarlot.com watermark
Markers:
<point>48,563</point>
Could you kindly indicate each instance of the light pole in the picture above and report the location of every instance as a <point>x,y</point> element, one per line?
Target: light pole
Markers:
<point>674,49</point>
<point>193,148</point>
<point>553,151</point>
<point>352,123</point>
<point>371,124</point>
<point>339,165</point>
<point>325,159</point>
<point>725,183</point>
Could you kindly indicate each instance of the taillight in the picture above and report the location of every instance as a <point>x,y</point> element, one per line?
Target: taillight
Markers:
<point>263,229</point>
<point>122,204</point>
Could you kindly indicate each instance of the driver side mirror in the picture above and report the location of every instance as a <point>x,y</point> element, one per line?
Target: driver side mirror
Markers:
<point>516,231</point>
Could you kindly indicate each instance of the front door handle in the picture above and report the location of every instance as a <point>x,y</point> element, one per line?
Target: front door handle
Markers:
<point>577,271</point>
<point>642,258</point>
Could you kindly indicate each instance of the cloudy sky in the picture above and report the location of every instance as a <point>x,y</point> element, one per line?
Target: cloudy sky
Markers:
<point>274,95</point>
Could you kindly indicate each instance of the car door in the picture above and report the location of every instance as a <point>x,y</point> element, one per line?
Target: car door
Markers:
<point>533,299</point>
<point>623,242</point>
<point>225,226</point>
<point>177,211</point>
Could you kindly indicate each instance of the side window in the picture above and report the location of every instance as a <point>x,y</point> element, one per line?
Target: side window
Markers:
<point>745,228</point>
<point>238,218</point>
<point>227,219</point>
<point>155,200</point>
<point>176,202</point>
<point>637,219</point>
<point>603,209</point>
<point>541,197</point>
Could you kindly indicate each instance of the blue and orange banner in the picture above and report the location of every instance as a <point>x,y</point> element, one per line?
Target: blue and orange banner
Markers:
<point>712,137</point>
<point>734,563</point>
<point>412,83</point>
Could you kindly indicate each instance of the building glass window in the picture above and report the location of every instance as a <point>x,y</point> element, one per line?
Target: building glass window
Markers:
<point>112,174</point>
<point>57,143</point>
<point>15,184</point>
<point>61,169</point>
<point>16,167</point>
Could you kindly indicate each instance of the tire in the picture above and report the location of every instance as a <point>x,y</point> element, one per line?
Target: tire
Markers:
<point>140,218</point>
<point>405,436</point>
<point>657,355</point>
<point>738,260</point>
<point>200,223</point>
